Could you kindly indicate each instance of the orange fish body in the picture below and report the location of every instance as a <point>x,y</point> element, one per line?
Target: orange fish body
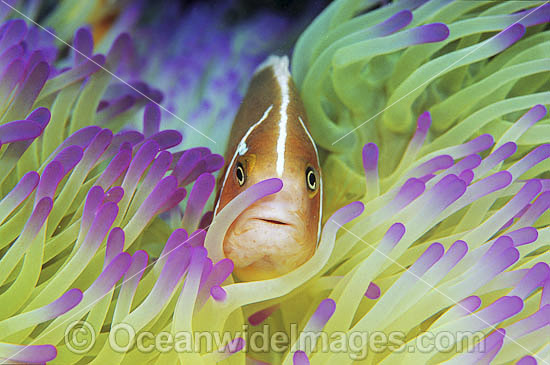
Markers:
<point>269,138</point>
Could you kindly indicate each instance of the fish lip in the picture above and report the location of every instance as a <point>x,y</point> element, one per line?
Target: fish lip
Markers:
<point>273,220</point>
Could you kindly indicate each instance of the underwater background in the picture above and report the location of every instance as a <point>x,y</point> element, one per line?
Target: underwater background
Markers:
<point>431,117</point>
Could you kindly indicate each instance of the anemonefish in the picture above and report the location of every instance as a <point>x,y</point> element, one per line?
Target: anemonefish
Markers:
<point>270,138</point>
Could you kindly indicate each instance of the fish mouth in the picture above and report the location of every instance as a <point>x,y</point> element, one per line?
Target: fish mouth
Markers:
<point>275,221</point>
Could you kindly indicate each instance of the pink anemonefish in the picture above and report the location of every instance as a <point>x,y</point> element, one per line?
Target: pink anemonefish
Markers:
<point>269,138</point>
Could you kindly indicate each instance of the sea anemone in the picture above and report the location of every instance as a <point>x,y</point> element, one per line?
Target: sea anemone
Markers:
<point>456,210</point>
<point>443,227</point>
<point>78,198</point>
<point>203,74</point>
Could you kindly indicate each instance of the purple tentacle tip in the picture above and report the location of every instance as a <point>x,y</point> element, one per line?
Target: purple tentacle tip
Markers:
<point>65,303</point>
<point>424,121</point>
<point>470,304</point>
<point>218,293</point>
<point>113,272</point>
<point>394,234</point>
<point>41,116</point>
<point>269,186</point>
<point>235,345</point>
<point>411,190</point>
<point>428,259</point>
<point>424,179</point>
<point>527,360</point>
<point>34,354</point>
<point>177,196</point>
<point>300,358</point>
<point>448,190</point>
<point>69,158</point>
<point>509,36</point>
<point>502,309</point>
<point>26,186</point>
<point>222,270</point>
<point>260,316</point>
<point>457,251</point>
<point>534,278</point>
<point>539,111</point>
<point>505,151</point>
<point>214,162</point>
<point>370,156</point>
<point>494,340</point>
<point>467,176</point>
<point>201,191</point>
<point>83,44</point>
<point>373,291</point>
<point>114,195</point>
<point>151,120</point>
<point>324,311</point>
<point>469,162</point>
<point>499,246</point>
<point>51,177</point>
<point>437,163</point>
<point>536,16</point>
<point>431,33</point>
<point>197,239</point>
<point>19,131</point>
<point>396,22</point>
<point>480,143</point>
<point>122,47</point>
<point>115,244</point>
<point>15,32</point>
<point>167,138</point>
<point>347,213</point>
<point>523,236</point>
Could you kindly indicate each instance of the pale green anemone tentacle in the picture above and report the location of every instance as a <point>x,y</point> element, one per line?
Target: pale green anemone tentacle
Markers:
<point>468,126</point>
<point>414,57</point>
<point>26,94</point>
<point>314,83</point>
<point>240,293</point>
<point>22,287</point>
<point>71,16</point>
<point>31,231</point>
<point>358,24</point>
<point>461,102</point>
<point>75,75</point>
<point>396,117</point>
<point>350,291</point>
<point>518,52</point>
<point>61,108</point>
<point>86,105</point>
<point>304,52</point>
<point>489,20</point>
<point>215,236</point>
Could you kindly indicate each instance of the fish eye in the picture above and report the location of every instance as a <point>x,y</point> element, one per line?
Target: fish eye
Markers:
<point>239,173</point>
<point>311,179</point>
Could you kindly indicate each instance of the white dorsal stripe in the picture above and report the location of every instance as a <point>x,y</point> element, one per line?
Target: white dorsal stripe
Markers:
<point>282,75</point>
<point>271,61</point>
<point>240,147</point>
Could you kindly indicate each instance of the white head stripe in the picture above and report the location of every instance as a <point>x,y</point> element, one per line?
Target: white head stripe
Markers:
<point>240,147</point>
<point>282,76</point>
<point>320,178</point>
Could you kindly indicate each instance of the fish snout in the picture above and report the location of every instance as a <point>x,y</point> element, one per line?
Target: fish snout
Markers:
<point>267,240</point>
